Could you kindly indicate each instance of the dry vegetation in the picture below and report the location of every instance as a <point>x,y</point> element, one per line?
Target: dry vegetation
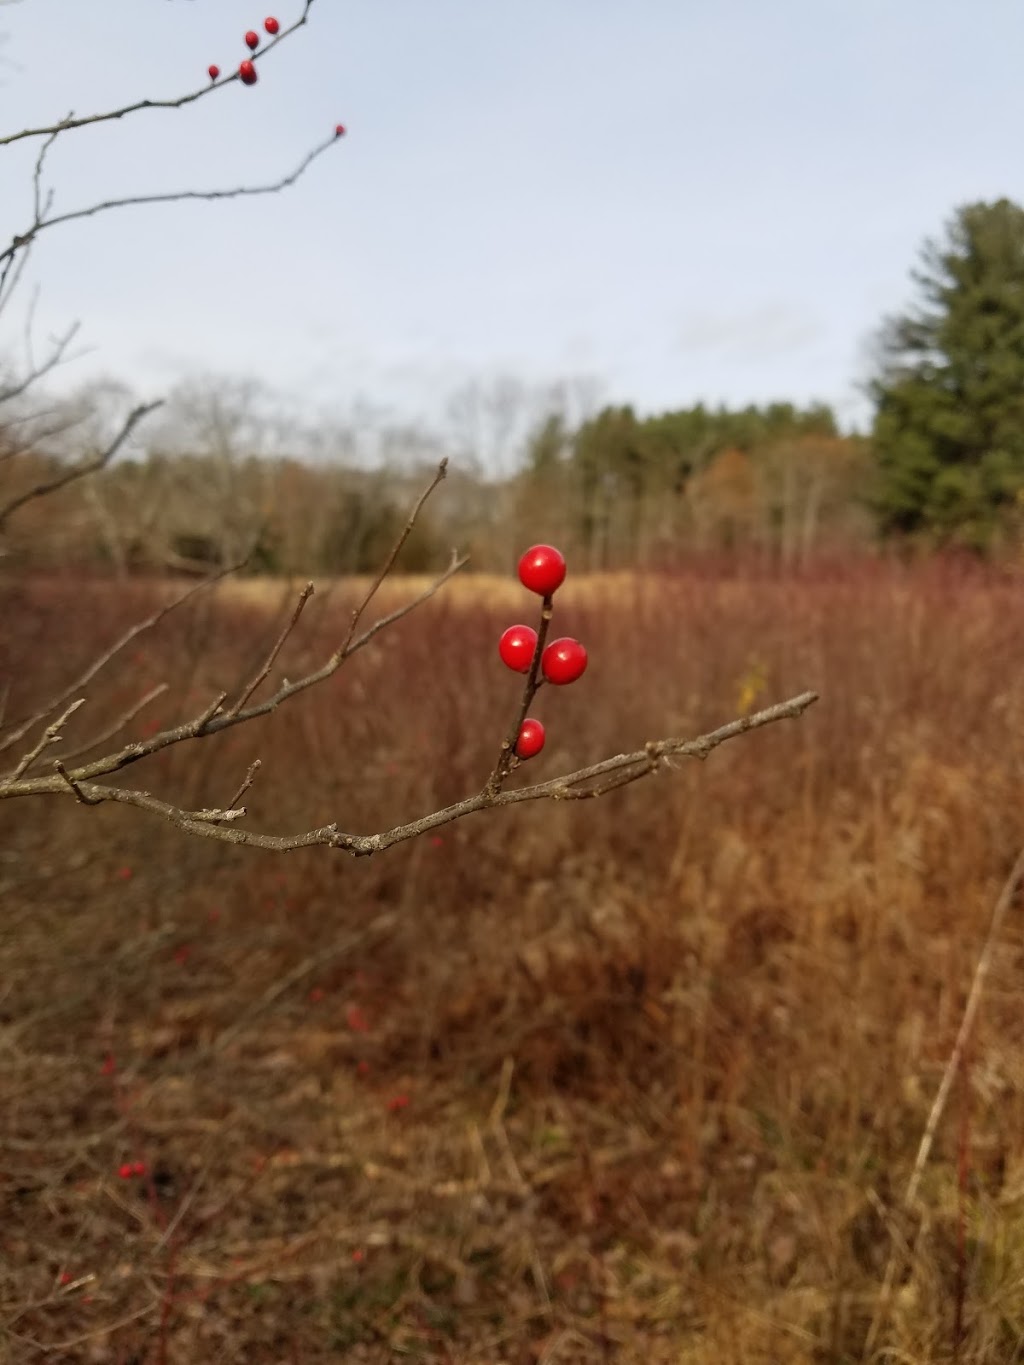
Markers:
<point>636,1079</point>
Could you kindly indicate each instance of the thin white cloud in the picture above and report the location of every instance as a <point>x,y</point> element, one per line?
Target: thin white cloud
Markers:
<point>767,330</point>
<point>527,189</point>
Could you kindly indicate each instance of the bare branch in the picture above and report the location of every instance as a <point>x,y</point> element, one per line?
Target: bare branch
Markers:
<point>200,725</point>
<point>76,790</point>
<point>250,777</point>
<point>622,779</point>
<point>41,206</point>
<point>118,725</point>
<point>37,372</point>
<point>83,468</point>
<point>213,815</point>
<point>22,240</point>
<point>103,659</point>
<point>208,722</point>
<point>456,563</point>
<point>43,424</point>
<point>10,274</point>
<point>442,470</point>
<point>68,124</point>
<point>639,764</point>
<point>304,596</point>
<point>223,824</point>
<point>49,736</point>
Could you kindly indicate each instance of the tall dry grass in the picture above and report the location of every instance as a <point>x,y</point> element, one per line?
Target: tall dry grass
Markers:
<point>667,1056</point>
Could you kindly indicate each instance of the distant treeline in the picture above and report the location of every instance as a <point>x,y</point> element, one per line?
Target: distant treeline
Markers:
<point>618,491</point>
<point>943,465</point>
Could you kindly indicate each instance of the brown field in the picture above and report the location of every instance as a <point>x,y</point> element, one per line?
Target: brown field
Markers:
<point>472,589</point>
<point>638,1079</point>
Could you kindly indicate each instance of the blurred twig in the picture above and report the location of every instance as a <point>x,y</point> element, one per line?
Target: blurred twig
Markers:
<point>21,240</point>
<point>949,1075</point>
<point>23,726</point>
<point>83,468</point>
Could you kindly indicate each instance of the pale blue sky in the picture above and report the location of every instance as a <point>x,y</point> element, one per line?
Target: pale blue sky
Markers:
<point>684,199</point>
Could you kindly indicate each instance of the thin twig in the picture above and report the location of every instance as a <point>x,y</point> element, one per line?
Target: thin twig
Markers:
<point>83,468</point>
<point>213,815</point>
<point>200,725</point>
<point>37,372</point>
<point>118,725</point>
<point>11,273</point>
<point>456,563</point>
<point>966,1025</point>
<point>442,470</point>
<point>103,659</point>
<point>22,240</point>
<point>381,925</point>
<point>49,736</point>
<point>43,431</point>
<point>507,759</point>
<point>304,596</point>
<point>107,1329</point>
<point>254,768</point>
<point>970,1013</point>
<point>208,722</point>
<point>80,796</point>
<point>622,779</point>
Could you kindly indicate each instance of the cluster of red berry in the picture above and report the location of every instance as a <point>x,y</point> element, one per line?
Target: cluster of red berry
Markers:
<point>247,69</point>
<point>247,72</point>
<point>542,570</point>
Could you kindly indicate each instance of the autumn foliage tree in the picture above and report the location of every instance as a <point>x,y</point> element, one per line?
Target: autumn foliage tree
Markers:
<point>643,491</point>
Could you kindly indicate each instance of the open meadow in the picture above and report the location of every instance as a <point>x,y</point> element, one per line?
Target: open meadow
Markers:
<point>636,1079</point>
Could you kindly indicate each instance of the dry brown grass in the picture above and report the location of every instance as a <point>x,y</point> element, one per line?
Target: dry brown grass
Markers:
<point>667,1056</point>
<point>467,589</point>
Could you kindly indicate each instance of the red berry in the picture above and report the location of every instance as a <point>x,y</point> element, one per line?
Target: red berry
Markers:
<point>542,569</point>
<point>516,648</point>
<point>271,25</point>
<point>213,70</point>
<point>139,1168</point>
<point>125,1170</point>
<point>531,738</point>
<point>252,40</point>
<point>247,71</point>
<point>563,661</point>
<point>339,131</point>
